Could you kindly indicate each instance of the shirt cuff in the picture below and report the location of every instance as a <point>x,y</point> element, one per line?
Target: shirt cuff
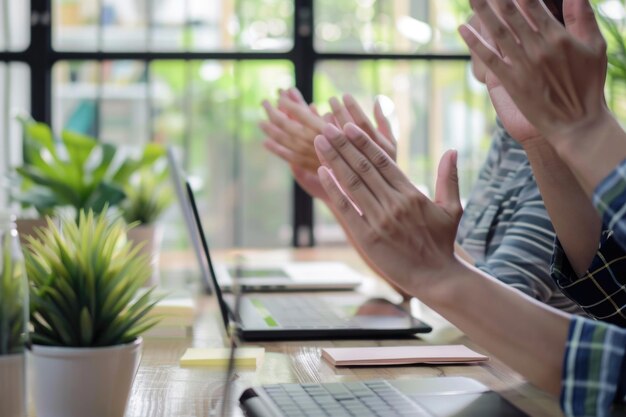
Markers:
<point>609,197</point>
<point>592,368</point>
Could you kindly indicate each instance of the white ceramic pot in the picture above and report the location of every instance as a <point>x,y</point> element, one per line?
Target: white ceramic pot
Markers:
<point>84,382</point>
<point>12,386</point>
<point>150,237</point>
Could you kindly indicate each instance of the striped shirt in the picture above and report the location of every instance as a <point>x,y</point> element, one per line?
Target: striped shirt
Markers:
<point>505,226</point>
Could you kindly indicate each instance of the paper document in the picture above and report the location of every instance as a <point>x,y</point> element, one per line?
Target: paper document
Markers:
<point>401,355</point>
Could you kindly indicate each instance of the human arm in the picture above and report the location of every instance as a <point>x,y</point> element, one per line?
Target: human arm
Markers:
<point>573,216</point>
<point>567,66</point>
<point>411,239</point>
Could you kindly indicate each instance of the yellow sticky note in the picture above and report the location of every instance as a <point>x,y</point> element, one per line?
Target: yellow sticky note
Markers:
<point>244,357</point>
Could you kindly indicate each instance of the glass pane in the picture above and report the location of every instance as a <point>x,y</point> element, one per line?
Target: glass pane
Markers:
<point>107,100</point>
<point>173,25</point>
<point>433,106</point>
<point>14,25</point>
<point>15,93</point>
<point>400,26</point>
<point>124,25</point>
<point>75,93</point>
<point>210,109</point>
<point>75,25</point>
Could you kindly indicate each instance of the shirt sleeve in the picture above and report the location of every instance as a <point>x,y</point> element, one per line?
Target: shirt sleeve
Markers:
<point>601,291</point>
<point>523,257</point>
<point>610,200</point>
<point>594,375</point>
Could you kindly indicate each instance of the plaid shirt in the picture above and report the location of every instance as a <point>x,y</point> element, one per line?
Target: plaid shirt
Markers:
<point>610,200</point>
<point>601,291</point>
<point>594,371</point>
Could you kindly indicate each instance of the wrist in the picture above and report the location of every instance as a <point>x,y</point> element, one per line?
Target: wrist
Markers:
<point>438,288</point>
<point>592,149</point>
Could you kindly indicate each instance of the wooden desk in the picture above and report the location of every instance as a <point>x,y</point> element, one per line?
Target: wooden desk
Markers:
<point>162,388</point>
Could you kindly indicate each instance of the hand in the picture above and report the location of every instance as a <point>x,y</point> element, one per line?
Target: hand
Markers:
<point>509,114</point>
<point>292,127</point>
<point>405,234</point>
<point>554,75</point>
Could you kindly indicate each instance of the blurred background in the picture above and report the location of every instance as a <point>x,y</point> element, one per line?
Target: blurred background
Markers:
<point>193,73</point>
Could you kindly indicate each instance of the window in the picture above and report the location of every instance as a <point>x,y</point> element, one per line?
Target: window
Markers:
<point>192,73</point>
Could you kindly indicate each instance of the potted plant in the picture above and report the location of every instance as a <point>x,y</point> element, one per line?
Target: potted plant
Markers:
<point>86,320</point>
<point>148,195</point>
<point>13,322</point>
<point>74,171</point>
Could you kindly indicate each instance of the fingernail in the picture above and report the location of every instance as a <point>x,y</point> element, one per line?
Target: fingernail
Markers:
<point>334,102</point>
<point>322,143</point>
<point>351,131</point>
<point>331,132</point>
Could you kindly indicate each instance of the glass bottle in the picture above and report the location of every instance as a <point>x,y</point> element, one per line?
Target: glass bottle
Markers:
<point>14,309</point>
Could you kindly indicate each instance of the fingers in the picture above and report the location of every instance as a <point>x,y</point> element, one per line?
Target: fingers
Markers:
<point>383,123</point>
<point>447,186</point>
<point>291,157</point>
<point>296,95</point>
<point>358,115</point>
<point>380,159</point>
<point>511,14</point>
<point>303,114</point>
<point>354,171</point>
<point>581,22</point>
<point>498,30</point>
<point>346,208</point>
<point>539,13</point>
<point>340,112</point>
<point>484,51</point>
<point>362,121</point>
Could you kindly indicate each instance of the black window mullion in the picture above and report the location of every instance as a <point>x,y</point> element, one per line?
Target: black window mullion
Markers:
<point>305,59</point>
<point>38,57</point>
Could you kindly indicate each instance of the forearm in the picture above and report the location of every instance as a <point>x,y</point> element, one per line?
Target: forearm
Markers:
<point>575,220</point>
<point>525,334</point>
<point>593,150</point>
<point>462,253</point>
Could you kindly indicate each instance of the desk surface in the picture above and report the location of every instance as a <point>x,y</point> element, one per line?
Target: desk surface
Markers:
<point>162,388</point>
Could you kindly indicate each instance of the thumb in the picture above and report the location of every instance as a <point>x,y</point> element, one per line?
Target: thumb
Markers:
<point>580,21</point>
<point>447,187</point>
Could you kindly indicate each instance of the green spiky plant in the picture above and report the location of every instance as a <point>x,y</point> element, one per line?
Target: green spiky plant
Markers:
<point>148,195</point>
<point>84,277</point>
<point>13,300</point>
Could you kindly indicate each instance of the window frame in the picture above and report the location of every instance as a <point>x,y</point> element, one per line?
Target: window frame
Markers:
<point>41,58</point>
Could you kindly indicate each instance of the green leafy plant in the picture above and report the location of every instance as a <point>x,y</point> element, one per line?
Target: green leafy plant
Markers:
<point>75,171</point>
<point>148,195</point>
<point>12,300</point>
<point>84,277</point>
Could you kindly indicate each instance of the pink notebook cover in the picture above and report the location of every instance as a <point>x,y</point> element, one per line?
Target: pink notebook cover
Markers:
<point>402,355</point>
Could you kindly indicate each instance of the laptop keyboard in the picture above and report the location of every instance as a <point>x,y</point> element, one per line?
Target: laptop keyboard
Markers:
<point>363,399</point>
<point>304,312</point>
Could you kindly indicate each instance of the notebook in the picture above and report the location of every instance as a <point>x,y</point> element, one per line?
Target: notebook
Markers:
<point>402,355</point>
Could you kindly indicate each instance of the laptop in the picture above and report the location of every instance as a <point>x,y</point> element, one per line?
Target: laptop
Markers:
<point>284,316</point>
<point>284,276</point>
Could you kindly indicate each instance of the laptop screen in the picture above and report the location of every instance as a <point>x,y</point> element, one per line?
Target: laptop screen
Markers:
<point>207,254</point>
